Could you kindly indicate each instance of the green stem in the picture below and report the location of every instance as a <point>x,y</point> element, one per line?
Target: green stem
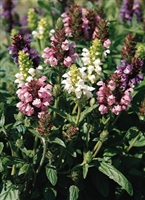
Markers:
<point>133,142</point>
<point>74,109</point>
<point>103,137</point>
<point>35,145</point>
<point>43,155</point>
<point>78,115</point>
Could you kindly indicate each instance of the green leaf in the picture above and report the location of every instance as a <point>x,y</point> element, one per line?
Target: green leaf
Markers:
<point>49,193</point>
<point>117,176</point>
<point>44,5</point>
<point>140,142</point>
<point>73,192</point>
<point>57,141</point>
<point>1,147</point>
<point>35,132</point>
<point>87,111</point>
<point>9,192</point>
<point>51,174</point>
<point>2,120</point>
<point>23,169</point>
<point>85,170</point>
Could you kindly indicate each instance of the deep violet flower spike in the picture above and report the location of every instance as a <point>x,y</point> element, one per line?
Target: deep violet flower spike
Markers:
<point>23,43</point>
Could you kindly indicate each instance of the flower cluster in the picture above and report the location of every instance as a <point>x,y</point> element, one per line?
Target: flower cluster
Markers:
<point>115,95</point>
<point>93,58</point>
<point>75,82</point>
<point>61,51</point>
<point>44,123</point>
<point>79,22</point>
<point>21,43</point>
<point>130,8</point>
<point>35,97</point>
<point>32,19</point>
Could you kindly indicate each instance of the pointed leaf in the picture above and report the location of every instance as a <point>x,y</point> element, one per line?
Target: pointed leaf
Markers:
<point>23,169</point>
<point>73,192</point>
<point>57,141</point>
<point>85,170</point>
<point>87,111</point>
<point>51,175</point>
<point>1,146</point>
<point>117,176</point>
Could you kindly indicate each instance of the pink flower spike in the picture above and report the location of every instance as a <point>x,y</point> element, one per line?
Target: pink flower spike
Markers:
<point>29,110</point>
<point>116,109</point>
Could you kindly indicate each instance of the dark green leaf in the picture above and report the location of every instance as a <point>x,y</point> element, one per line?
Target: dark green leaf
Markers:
<point>49,193</point>
<point>85,170</point>
<point>35,132</point>
<point>117,176</point>
<point>44,5</point>
<point>51,175</point>
<point>73,192</point>
<point>23,169</point>
<point>1,147</point>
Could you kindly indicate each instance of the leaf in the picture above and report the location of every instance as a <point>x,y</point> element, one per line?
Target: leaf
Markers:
<point>1,147</point>
<point>87,111</point>
<point>71,151</point>
<point>73,192</point>
<point>35,132</point>
<point>117,176</point>
<point>57,141</point>
<point>51,174</point>
<point>44,5</point>
<point>9,192</point>
<point>85,170</point>
<point>2,120</point>
<point>23,169</point>
<point>101,182</point>
<point>49,193</point>
<point>140,142</point>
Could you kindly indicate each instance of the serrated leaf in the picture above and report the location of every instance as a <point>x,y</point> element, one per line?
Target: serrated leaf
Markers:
<point>1,146</point>
<point>117,176</point>
<point>57,141</point>
<point>9,192</point>
<point>85,170</point>
<point>51,174</point>
<point>23,169</point>
<point>73,192</point>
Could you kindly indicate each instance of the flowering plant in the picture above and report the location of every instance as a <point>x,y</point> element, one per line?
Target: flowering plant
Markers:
<point>72,101</point>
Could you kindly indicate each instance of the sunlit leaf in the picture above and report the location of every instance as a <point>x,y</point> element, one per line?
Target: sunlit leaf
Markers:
<point>73,192</point>
<point>51,174</point>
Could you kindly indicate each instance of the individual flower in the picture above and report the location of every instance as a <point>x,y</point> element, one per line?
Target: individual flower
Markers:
<point>75,82</point>
<point>35,96</point>
<point>61,51</point>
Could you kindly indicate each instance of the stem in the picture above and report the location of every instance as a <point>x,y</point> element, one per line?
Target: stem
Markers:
<point>103,137</point>
<point>133,142</point>
<point>78,115</point>
<point>43,155</point>
<point>74,109</point>
<point>35,145</point>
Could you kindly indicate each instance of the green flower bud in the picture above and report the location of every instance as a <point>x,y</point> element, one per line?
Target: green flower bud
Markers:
<point>88,157</point>
<point>140,52</point>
